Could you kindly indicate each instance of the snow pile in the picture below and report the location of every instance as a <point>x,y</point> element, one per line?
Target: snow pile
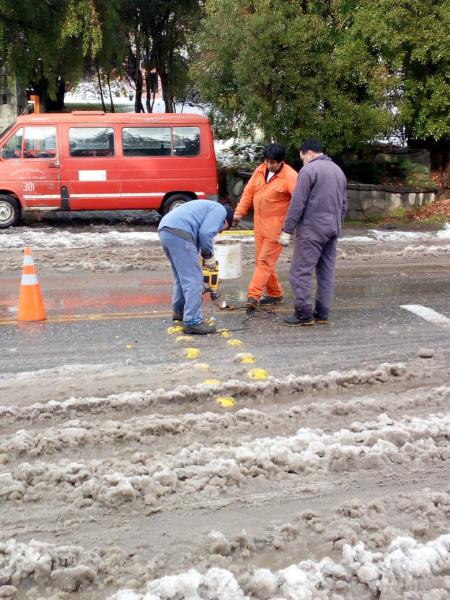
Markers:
<point>219,468</point>
<point>357,239</point>
<point>291,384</point>
<point>77,433</point>
<point>41,564</point>
<point>50,237</point>
<point>425,250</point>
<point>377,235</point>
<point>407,566</point>
<point>363,446</point>
<point>398,236</point>
<point>44,239</point>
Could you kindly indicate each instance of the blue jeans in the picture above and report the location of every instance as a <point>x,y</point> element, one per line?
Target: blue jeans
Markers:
<point>188,276</point>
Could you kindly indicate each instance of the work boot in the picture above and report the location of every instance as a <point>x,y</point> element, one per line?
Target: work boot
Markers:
<point>321,321</point>
<point>177,316</point>
<point>265,300</point>
<point>295,321</point>
<point>251,304</point>
<point>201,328</point>
<point>320,318</point>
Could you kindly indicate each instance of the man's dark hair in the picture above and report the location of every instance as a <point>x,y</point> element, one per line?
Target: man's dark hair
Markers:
<point>274,152</point>
<point>230,214</point>
<point>313,145</point>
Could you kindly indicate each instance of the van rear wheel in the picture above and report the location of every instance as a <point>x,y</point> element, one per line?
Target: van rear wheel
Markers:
<point>10,212</point>
<point>173,202</point>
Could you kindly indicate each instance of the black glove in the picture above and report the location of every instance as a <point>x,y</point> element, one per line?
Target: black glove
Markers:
<point>209,263</point>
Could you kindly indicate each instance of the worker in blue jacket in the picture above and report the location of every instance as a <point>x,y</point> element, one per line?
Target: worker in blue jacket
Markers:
<point>186,232</point>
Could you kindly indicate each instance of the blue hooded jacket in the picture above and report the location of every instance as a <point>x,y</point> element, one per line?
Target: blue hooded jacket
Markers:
<point>202,219</point>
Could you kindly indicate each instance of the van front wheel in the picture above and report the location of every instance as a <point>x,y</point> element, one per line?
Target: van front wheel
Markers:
<point>173,202</point>
<point>9,211</point>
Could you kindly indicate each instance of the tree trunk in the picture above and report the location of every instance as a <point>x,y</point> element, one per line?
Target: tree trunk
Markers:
<point>138,106</point>
<point>101,89</point>
<point>167,92</point>
<point>440,161</point>
<point>150,97</point>
<point>110,94</point>
<point>58,104</point>
<point>41,89</point>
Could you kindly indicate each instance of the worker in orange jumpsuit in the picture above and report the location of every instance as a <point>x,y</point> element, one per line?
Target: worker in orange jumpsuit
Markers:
<point>269,191</point>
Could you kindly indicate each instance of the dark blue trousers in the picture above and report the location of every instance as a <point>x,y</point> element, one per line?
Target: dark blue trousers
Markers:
<point>313,252</point>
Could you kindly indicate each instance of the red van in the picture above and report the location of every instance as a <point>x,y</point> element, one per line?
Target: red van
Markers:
<point>89,160</point>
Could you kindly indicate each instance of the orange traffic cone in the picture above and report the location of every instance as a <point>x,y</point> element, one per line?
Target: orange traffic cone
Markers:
<point>31,305</point>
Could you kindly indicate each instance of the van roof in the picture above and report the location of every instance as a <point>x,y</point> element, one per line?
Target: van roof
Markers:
<point>110,118</point>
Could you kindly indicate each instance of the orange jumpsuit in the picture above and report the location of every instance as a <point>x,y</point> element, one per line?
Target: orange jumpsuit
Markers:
<point>270,201</point>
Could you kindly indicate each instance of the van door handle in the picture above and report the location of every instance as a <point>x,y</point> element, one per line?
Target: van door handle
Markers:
<point>53,165</point>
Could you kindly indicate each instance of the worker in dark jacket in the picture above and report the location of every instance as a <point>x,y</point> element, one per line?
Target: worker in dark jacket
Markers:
<point>186,232</point>
<point>316,213</point>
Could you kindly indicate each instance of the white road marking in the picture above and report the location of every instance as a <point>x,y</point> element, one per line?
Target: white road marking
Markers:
<point>428,314</point>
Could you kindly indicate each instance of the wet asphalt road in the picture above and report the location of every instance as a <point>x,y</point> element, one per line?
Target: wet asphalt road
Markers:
<point>123,318</point>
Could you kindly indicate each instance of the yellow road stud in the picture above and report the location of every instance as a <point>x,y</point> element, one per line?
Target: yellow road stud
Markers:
<point>226,402</point>
<point>176,329</point>
<point>184,338</point>
<point>234,342</point>
<point>258,374</point>
<point>245,357</point>
<point>192,352</point>
<point>129,346</point>
<point>212,382</point>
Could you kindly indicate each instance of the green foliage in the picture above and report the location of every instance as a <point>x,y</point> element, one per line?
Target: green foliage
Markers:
<point>49,39</point>
<point>398,171</point>
<point>160,35</point>
<point>411,38</point>
<point>42,41</point>
<point>290,73</point>
<point>343,71</point>
<point>363,171</point>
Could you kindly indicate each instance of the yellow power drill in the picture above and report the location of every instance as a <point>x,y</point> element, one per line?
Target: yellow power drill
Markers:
<point>211,282</point>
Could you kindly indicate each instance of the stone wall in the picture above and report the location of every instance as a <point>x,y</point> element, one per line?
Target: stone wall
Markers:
<point>364,200</point>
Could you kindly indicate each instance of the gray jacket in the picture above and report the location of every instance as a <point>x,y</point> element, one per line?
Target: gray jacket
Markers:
<point>319,200</point>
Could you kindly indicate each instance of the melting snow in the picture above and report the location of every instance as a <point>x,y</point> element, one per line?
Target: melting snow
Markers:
<point>376,235</point>
<point>405,563</point>
<point>54,238</point>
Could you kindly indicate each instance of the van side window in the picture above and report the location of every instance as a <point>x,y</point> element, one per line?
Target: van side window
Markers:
<point>146,141</point>
<point>186,141</point>
<point>13,147</point>
<point>91,141</point>
<point>39,142</point>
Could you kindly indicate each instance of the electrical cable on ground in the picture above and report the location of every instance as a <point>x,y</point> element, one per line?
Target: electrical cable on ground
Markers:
<point>259,313</point>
